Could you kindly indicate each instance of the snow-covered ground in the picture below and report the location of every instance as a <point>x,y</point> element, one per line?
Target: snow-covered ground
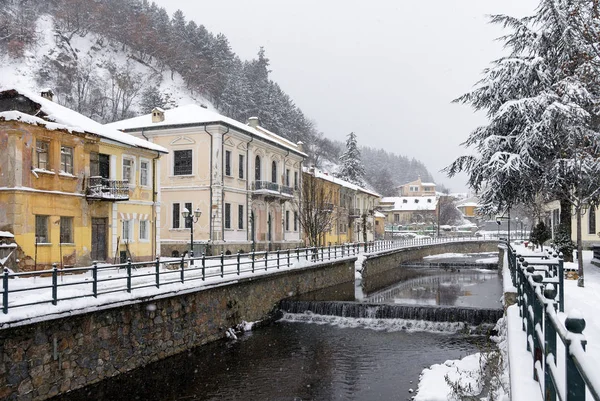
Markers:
<point>433,386</point>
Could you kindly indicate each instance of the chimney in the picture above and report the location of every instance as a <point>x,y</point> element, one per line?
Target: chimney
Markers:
<point>300,146</point>
<point>47,94</point>
<point>158,115</point>
<point>253,122</point>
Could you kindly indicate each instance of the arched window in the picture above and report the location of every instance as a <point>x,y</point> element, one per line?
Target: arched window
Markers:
<point>274,172</point>
<point>257,168</point>
<point>592,220</point>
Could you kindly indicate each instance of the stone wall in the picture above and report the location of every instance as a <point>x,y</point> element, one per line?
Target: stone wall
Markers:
<point>41,360</point>
<point>381,262</point>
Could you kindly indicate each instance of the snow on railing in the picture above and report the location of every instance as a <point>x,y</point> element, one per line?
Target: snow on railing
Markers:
<point>536,279</point>
<point>24,289</point>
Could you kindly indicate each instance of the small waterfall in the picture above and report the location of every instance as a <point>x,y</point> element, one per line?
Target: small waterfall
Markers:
<point>451,314</point>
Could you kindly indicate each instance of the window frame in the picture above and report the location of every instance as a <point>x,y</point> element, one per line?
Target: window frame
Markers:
<point>145,225</point>
<point>228,163</point>
<point>187,223</point>
<point>227,216</point>
<point>295,221</point>
<point>241,166</point>
<point>38,153</point>
<point>129,231</point>
<point>69,227</point>
<point>257,168</point>
<point>592,220</point>
<point>287,220</point>
<point>65,158</point>
<point>148,180</point>
<point>240,217</point>
<point>38,227</point>
<point>274,172</point>
<point>295,180</point>
<point>131,169</point>
<point>176,215</point>
<point>191,163</point>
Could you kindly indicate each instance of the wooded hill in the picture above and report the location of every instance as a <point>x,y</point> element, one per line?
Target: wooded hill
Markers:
<point>142,34</point>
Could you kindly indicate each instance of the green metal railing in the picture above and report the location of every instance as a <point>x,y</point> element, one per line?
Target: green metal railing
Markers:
<point>536,279</point>
<point>25,289</point>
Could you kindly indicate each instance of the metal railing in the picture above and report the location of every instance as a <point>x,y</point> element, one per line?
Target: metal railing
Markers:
<point>55,285</point>
<point>105,189</point>
<point>536,279</point>
<point>268,185</point>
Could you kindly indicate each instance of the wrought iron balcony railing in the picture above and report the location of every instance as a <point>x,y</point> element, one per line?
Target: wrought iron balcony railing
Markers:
<point>287,190</point>
<point>354,212</point>
<point>104,189</point>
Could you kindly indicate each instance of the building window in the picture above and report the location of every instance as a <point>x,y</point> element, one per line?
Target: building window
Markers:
<point>144,230</point>
<point>182,162</point>
<point>241,166</point>
<point>144,169</point>
<point>127,230</point>
<point>296,180</point>
<point>287,177</point>
<point>396,218</point>
<point>188,222</point>
<point>66,159</point>
<point>41,229</point>
<point>592,220</point>
<point>295,221</point>
<point>128,170</point>
<point>228,163</point>
<point>241,217</point>
<point>228,215</point>
<point>176,215</point>
<point>257,168</point>
<point>287,220</point>
<point>66,230</point>
<point>42,149</point>
<point>274,172</point>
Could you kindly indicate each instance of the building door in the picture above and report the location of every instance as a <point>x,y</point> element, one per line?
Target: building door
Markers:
<point>99,235</point>
<point>99,165</point>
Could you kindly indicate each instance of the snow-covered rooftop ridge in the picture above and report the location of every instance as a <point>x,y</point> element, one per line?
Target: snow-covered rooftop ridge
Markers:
<point>6,234</point>
<point>329,177</point>
<point>429,184</point>
<point>60,117</point>
<point>195,114</point>
<point>410,203</point>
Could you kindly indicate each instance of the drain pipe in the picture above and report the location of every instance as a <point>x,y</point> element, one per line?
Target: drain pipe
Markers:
<point>223,186</point>
<point>248,209</point>
<point>210,219</point>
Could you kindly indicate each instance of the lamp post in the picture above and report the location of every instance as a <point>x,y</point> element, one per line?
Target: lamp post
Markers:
<point>191,219</point>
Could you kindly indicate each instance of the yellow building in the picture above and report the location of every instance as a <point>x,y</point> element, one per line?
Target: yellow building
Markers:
<point>350,208</point>
<point>71,190</point>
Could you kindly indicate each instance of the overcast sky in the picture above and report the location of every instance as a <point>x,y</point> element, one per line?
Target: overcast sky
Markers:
<point>385,69</point>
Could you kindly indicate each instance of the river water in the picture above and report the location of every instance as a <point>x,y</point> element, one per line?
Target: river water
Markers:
<point>306,359</point>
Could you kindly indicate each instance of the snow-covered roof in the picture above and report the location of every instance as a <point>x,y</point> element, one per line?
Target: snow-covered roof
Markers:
<point>329,177</point>
<point>467,204</point>
<point>429,184</point>
<point>378,214</point>
<point>193,114</point>
<point>6,234</point>
<point>410,203</point>
<point>60,117</point>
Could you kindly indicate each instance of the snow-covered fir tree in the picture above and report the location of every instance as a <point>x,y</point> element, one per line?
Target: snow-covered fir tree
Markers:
<point>351,166</point>
<point>542,104</point>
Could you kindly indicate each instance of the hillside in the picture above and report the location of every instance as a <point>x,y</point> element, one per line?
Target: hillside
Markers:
<point>111,71</point>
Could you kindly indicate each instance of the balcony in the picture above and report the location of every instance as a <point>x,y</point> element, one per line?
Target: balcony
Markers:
<point>354,212</point>
<point>268,188</point>
<point>100,188</point>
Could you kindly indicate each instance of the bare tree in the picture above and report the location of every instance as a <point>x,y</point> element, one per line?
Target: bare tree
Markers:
<point>316,211</point>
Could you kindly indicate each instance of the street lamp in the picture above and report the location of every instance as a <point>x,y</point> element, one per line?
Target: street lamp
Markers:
<point>191,219</point>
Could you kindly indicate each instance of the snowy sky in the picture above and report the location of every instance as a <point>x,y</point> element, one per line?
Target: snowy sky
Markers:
<point>386,69</point>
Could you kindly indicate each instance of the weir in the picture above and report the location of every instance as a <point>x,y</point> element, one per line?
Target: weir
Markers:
<point>451,314</point>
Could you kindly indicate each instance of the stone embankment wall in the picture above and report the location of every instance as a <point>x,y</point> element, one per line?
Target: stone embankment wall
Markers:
<point>43,359</point>
<point>384,261</point>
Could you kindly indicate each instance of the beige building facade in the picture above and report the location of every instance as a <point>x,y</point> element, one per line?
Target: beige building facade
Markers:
<point>242,179</point>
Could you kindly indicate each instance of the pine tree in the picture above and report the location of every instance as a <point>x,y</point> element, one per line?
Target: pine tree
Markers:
<point>351,166</point>
<point>541,100</point>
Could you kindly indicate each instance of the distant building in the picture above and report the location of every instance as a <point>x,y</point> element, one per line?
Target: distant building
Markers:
<point>72,190</point>
<point>468,207</point>
<point>406,210</point>
<point>244,179</point>
<point>417,188</point>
